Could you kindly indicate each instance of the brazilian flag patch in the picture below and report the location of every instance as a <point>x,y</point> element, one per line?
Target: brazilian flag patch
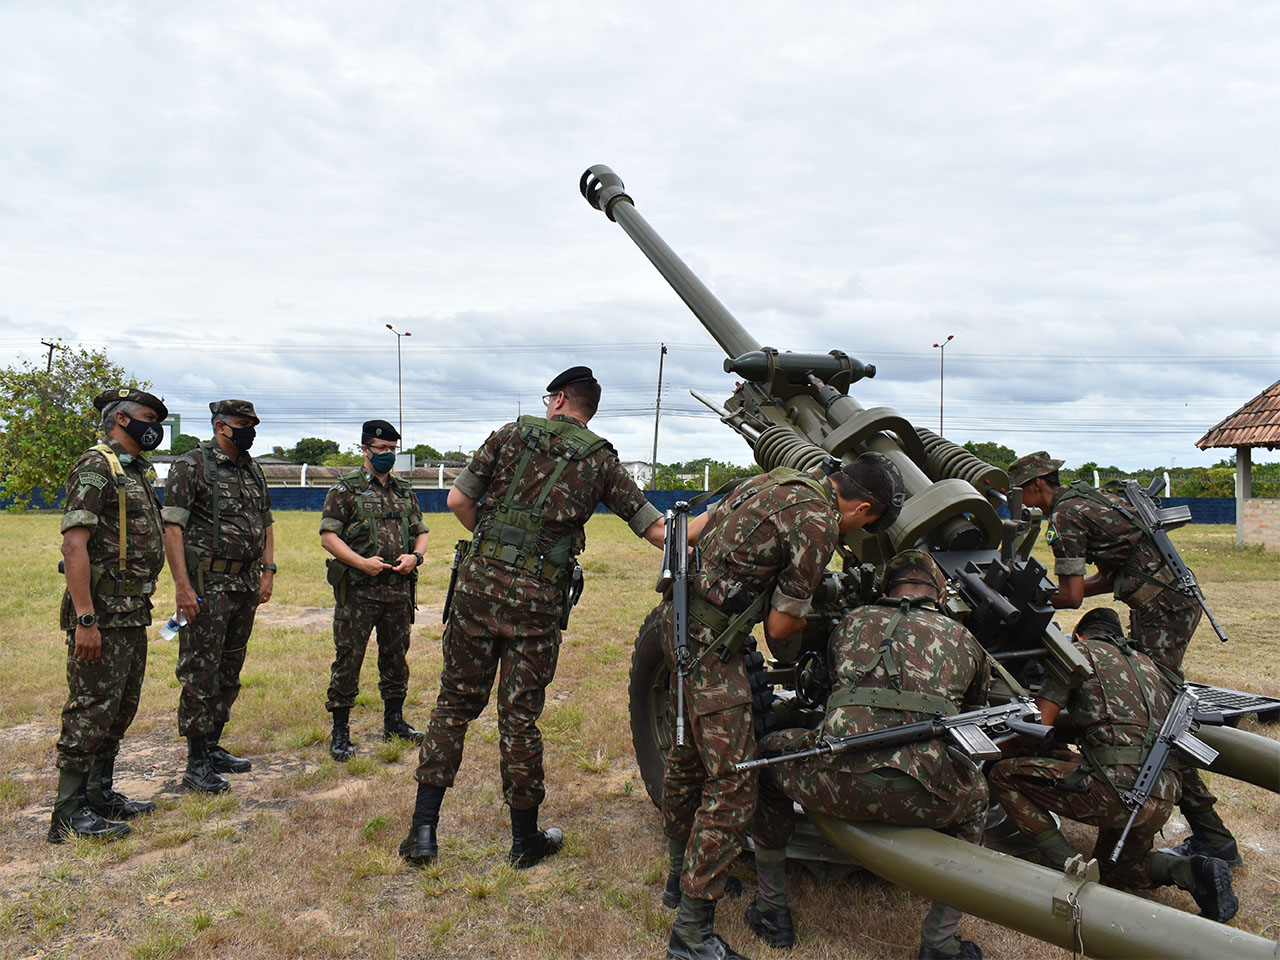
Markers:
<point>1051,533</point>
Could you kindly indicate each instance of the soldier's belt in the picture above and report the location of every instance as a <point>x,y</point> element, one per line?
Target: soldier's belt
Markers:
<point>707,614</point>
<point>1111,756</point>
<point>887,699</point>
<point>223,565</point>
<point>1149,591</point>
<point>878,781</point>
<point>108,587</point>
<point>512,556</point>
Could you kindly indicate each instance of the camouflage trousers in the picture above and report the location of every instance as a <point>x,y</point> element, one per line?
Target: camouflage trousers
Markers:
<point>833,787</point>
<point>102,697</point>
<point>353,621</point>
<point>703,798</point>
<point>211,652</point>
<point>485,639</point>
<point>1029,788</point>
<point>1164,628</point>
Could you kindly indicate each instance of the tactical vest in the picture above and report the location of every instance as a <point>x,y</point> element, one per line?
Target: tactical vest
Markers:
<point>362,535</point>
<point>893,697</point>
<point>222,489</point>
<point>510,531</point>
<point>1153,586</point>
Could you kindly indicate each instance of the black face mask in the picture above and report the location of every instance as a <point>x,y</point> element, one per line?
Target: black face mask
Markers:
<point>242,437</point>
<point>146,435</point>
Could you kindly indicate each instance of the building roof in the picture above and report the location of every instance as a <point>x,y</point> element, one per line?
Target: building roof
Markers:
<point>1256,424</point>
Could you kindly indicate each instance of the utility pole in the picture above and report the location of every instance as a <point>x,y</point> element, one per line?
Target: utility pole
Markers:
<point>52,346</point>
<point>942,354</point>
<point>399,375</point>
<point>657,413</point>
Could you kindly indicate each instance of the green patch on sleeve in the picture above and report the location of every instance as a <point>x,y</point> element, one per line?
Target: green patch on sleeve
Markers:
<point>92,479</point>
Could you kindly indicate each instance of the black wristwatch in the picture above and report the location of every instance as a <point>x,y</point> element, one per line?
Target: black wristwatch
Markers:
<point>87,619</point>
<point>270,566</point>
<point>419,556</point>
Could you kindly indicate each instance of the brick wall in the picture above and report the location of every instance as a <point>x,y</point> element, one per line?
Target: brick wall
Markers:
<point>1262,522</point>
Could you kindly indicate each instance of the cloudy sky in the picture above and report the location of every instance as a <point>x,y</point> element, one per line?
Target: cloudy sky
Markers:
<point>235,198</point>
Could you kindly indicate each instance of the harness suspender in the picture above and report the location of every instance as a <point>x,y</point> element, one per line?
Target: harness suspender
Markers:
<point>211,480</point>
<point>1086,492</point>
<point>1097,756</point>
<point>117,473</point>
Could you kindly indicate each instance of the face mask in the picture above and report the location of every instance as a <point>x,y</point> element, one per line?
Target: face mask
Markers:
<point>146,435</point>
<point>382,462</point>
<point>242,437</point>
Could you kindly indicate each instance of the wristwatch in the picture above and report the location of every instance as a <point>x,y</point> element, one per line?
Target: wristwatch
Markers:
<point>419,556</point>
<point>87,619</point>
<point>270,566</point>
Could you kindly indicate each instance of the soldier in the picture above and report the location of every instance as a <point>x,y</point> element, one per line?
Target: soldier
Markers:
<point>373,526</point>
<point>1118,711</point>
<point>897,661</point>
<point>1092,526</point>
<point>540,480</point>
<point>768,541</point>
<point>112,552</point>
<point>218,536</point>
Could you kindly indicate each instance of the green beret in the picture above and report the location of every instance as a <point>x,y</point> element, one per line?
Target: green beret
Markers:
<point>133,395</point>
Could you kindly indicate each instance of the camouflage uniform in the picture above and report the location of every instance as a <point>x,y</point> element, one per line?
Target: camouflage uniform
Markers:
<point>765,536</point>
<point>893,662</point>
<point>223,563</point>
<point>103,696</point>
<point>508,602</point>
<point>374,519</point>
<point>1118,710</point>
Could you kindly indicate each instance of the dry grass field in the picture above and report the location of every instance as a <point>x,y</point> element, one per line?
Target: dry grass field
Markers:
<point>299,860</point>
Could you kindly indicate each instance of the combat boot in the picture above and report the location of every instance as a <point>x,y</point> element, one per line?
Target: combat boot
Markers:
<point>774,927</point>
<point>420,847</point>
<point>1212,889</point>
<point>1209,838</point>
<point>222,760</point>
<point>530,845</point>
<point>393,723</point>
<point>967,950</point>
<point>340,746</point>
<point>692,936</point>
<point>200,775</point>
<point>105,800</point>
<point>72,816</point>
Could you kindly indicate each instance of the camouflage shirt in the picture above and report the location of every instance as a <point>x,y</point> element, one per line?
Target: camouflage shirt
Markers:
<point>596,478</point>
<point>1111,711</point>
<point>1081,531</point>
<point>929,653</point>
<point>244,512</point>
<point>768,536</point>
<point>394,522</point>
<point>92,501</point>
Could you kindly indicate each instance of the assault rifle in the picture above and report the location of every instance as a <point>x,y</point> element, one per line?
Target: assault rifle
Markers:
<point>1158,521</point>
<point>459,554</point>
<point>974,732</point>
<point>1184,716</point>
<point>675,576</point>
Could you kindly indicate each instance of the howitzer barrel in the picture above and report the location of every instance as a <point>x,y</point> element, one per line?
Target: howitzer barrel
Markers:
<point>1032,899</point>
<point>1244,756</point>
<point>603,189</point>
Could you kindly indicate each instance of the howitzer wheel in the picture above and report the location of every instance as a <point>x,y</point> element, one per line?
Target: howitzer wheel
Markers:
<point>652,721</point>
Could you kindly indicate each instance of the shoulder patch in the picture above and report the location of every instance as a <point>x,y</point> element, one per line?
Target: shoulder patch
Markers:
<point>1051,533</point>
<point>92,479</point>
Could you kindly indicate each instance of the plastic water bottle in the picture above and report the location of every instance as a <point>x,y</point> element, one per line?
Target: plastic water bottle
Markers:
<point>176,623</point>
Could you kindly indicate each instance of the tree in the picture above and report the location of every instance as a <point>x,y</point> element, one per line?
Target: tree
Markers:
<point>996,454</point>
<point>183,443</point>
<point>49,418</point>
<point>352,458</point>
<point>313,450</point>
<point>424,453</point>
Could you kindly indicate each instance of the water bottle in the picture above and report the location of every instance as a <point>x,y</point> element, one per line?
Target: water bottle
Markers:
<point>176,623</point>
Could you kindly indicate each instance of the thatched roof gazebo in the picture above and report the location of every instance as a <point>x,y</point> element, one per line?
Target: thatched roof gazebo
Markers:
<point>1256,424</point>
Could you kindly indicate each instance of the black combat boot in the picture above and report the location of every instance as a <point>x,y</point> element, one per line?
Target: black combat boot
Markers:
<point>393,723</point>
<point>774,927</point>
<point>769,917</point>
<point>105,800</point>
<point>1212,889</point>
<point>224,761</point>
<point>1209,838</point>
<point>200,775</point>
<point>72,816</point>
<point>529,845</point>
<point>420,847</point>
<point>964,950</point>
<point>692,936</point>
<point>340,747</point>
<point>675,867</point>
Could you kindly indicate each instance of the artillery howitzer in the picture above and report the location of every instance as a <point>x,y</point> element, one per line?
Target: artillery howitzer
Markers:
<point>794,410</point>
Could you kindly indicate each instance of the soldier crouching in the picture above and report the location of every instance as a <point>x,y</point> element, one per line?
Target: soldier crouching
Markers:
<point>112,553</point>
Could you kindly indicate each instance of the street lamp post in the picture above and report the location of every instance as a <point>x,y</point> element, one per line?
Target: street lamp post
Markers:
<point>657,413</point>
<point>942,356</point>
<point>399,375</point>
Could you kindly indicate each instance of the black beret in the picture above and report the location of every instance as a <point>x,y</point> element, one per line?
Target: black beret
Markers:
<point>572,375</point>
<point>378,430</point>
<point>133,395</point>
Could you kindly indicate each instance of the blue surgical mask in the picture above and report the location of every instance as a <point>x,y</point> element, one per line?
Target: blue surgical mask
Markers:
<point>382,462</point>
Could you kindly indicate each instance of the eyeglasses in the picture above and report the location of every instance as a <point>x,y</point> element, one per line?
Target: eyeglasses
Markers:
<point>546,401</point>
<point>382,448</point>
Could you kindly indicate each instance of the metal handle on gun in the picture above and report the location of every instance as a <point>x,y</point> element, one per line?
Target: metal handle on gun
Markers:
<point>675,575</point>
